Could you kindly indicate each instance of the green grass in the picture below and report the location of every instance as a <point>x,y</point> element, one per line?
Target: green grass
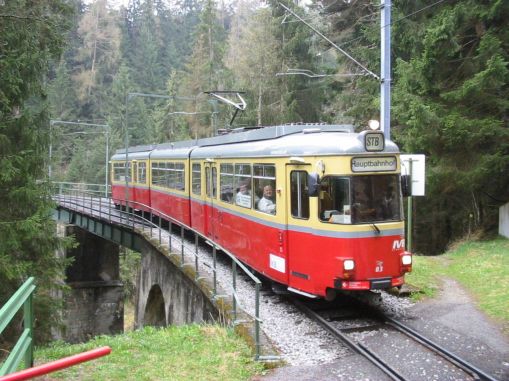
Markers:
<point>425,276</point>
<point>175,353</point>
<point>481,267</point>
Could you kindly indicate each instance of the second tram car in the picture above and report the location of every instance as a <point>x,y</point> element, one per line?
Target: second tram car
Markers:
<point>316,208</point>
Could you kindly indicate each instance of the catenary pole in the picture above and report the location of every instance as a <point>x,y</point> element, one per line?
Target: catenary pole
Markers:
<point>385,52</point>
<point>385,80</point>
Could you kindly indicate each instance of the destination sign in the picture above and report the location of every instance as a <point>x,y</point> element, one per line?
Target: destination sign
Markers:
<point>374,164</point>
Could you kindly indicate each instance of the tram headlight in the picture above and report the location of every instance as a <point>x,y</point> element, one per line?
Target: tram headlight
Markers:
<point>347,269</point>
<point>348,264</point>
<point>374,124</point>
<point>406,260</point>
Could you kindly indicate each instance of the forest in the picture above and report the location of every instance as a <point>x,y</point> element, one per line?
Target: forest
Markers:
<point>82,61</point>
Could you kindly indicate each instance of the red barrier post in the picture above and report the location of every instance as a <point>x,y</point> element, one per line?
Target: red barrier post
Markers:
<point>57,365</point>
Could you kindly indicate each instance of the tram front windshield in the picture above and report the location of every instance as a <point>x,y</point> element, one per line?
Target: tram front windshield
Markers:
<point>360,199</point>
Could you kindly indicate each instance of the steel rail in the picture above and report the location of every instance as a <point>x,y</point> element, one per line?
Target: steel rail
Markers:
<point>465,366</point>
<point>356,347</point>
<point>475,372</point>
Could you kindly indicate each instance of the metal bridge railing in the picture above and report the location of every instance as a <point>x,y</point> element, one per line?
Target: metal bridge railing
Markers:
<point>97,189</point>
<point>24,347</point>
<point>138,216</point>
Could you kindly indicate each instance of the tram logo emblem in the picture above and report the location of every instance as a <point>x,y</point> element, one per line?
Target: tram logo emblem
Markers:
<point>398,244</point>
<point>379,266</point>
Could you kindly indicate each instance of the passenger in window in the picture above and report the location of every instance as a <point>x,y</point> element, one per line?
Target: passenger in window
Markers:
<point>243,197</point>
<point>266,204</point>
<point>227,193</point>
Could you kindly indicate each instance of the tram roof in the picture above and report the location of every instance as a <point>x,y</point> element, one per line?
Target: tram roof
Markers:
<point>244,135</point>
<point>282,140</point>
<point>306,143</point>
<point>136,155</point>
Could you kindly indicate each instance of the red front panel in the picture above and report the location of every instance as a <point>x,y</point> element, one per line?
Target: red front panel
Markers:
<point>316,261</point>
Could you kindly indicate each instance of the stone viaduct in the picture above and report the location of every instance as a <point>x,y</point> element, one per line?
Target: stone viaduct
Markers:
<point>167,292</point>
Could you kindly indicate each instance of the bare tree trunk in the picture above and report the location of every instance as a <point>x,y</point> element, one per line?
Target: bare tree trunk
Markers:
<point>211,57</point>
<point>477,213</point>
<point>435,228</point>
<point>94,53</point>
<point>259,111</point>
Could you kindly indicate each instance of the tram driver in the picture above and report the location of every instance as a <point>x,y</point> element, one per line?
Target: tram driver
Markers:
<point>266,204</point>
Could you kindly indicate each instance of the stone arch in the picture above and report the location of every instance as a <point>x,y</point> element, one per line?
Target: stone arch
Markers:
<point>154,309</point>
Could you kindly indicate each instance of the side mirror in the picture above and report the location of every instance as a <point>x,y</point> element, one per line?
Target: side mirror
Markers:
<point>313,184</point>
<point>406,189</point>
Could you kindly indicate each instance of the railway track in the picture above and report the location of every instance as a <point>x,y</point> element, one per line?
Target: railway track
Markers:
<point>351,326</point>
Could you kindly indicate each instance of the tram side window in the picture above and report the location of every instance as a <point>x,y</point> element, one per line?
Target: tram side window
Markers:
<point>159,174</point>
<point>196,179</point>
<point>226,182</point>
<point>168,175</point>
<point>242,181</point>
<point>299,194</point>
<point>334,200</point>
<point>179,177</point>
<point>264,183</point>
<point>142,172</point>
<point>119,171</point>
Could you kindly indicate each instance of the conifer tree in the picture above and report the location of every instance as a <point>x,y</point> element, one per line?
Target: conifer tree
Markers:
<point>32,34</point>
<point>254,59</point>
<point>300,100</point>
<point>205,70</point>
<point>98,55</point>
<point>451,101</point>
<point>62,97</point>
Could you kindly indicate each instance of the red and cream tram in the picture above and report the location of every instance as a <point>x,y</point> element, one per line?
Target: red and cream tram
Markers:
<point>316,208</point>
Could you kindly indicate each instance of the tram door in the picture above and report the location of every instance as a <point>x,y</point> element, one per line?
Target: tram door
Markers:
<point>134,191</point>
<point>211,217</point>
<point>297,221</point>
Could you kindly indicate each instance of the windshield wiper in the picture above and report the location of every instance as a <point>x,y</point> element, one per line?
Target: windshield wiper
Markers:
<point>375,228</point>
